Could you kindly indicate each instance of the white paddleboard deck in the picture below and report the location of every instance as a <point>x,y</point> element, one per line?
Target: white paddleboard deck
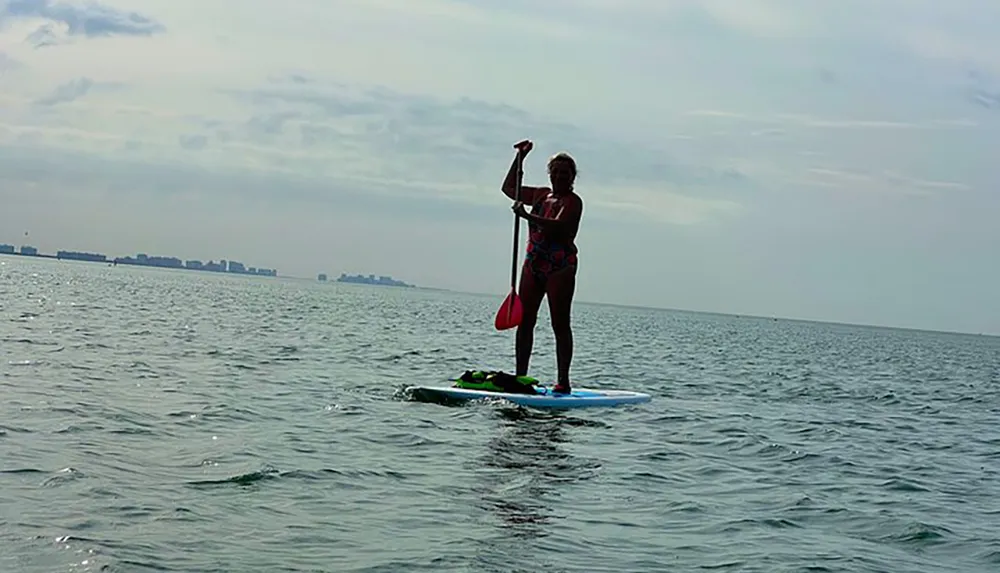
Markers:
<point>544,398</point>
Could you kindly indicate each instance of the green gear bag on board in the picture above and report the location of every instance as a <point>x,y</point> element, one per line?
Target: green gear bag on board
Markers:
<point>496,381</point>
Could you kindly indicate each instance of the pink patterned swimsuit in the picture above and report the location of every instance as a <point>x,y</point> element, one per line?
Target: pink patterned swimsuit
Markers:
<point>545,256</point>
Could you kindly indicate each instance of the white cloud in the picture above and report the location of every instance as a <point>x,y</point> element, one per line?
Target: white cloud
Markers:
<point>56,22</point>
<point>761,18</point>
<point>884,181</point>
<point>7,63</point>
<point>663,206</point>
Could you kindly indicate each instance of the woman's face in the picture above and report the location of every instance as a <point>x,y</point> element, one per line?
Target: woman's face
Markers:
<point>561,174</point>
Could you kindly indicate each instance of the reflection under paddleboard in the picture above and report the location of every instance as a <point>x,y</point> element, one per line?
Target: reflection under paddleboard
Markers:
<point>520,476</point>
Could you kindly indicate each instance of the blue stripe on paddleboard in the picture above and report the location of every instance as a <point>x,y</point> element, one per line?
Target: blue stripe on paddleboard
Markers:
<point>579,398</point>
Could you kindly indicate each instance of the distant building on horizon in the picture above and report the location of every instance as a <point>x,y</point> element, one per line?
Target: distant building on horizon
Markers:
<point>223,266</point>
<point>383,280</point>
<point>142,259</point>
<point>81,256</point>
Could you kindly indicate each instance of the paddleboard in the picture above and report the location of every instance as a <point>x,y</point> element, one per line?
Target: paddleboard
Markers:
<point>544,398</point>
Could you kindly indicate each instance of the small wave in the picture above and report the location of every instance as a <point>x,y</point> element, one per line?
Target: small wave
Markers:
<point>356,476</point>
<point>16,429</point>
<point>135,565</point>
<point>133,431</point>
<point>18,471</point>
<point>919,533</point>
<point>903,484</point>
<point>991,556</point>
<point>79,428</point>
<point>30,341</point>
<point>735,525</point>
<point>649,477</point>
<point>666,456</point>
<point>279,359</point>
<point>225,412</point>
<point>63,476</point>
<point>724,566</point>
<point>404,439</point>
<point>327,473</point>
<point>784,453</point>
<point>240,480</point>
<point>93,346</point>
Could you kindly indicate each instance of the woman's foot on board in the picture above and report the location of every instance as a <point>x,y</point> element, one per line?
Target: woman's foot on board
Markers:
<point>561,388</point>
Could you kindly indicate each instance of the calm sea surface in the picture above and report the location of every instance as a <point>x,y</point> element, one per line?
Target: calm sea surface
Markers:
<point>156,420</point>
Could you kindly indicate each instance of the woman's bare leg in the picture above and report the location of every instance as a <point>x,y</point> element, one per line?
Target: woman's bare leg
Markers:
<point>531,299</point>
<point>560,289</point>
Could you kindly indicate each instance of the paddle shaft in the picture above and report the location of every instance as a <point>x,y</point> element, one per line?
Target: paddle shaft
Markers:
<point>517,223</point>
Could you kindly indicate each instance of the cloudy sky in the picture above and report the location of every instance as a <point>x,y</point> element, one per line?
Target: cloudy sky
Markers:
<point>824,160</point>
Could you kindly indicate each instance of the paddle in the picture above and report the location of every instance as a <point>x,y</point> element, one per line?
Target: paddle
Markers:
<point>510,312</point>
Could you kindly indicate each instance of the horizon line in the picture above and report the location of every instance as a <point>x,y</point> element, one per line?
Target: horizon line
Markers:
<point>786,318</point>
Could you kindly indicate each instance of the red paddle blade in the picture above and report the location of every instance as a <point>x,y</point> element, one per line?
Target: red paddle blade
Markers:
<point>510,312</point>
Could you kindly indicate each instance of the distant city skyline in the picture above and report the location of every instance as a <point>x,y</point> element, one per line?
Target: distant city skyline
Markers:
<point>140,259</point>
<point>170,262</point>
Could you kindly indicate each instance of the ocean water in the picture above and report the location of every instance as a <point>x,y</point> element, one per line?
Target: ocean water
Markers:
<point>156,420</point>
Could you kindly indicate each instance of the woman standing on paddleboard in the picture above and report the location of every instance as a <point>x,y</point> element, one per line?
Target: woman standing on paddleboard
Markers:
<point>549,268</point>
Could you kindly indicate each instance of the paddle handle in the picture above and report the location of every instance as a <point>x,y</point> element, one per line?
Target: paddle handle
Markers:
<point>519,160</point>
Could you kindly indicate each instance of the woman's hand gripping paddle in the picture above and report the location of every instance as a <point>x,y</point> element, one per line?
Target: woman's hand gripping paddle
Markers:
<point>511,311</point>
